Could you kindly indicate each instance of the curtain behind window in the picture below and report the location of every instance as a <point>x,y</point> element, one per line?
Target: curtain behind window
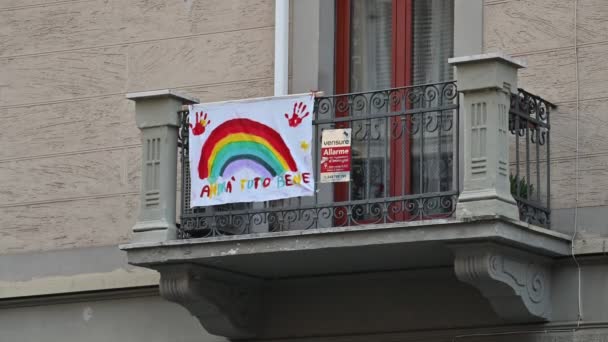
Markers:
<point>433,44</point>
<point>371,45</point>
<point>371,69</point>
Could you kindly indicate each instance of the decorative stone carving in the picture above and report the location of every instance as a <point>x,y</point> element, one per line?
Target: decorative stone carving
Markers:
<point>226,304</point>
<point>517,284</point>
<point>479,130</point>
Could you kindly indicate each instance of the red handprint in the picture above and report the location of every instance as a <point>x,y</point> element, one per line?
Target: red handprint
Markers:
<point>298,109</point>
<point>201,123</point>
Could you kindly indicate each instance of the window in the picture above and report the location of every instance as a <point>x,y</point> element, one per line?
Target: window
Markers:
<point>393,43</point>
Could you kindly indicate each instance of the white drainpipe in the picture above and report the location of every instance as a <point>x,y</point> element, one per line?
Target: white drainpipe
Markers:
<point>281,47</point>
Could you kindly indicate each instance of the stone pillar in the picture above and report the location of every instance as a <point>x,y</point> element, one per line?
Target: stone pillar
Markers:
<point>486,82</point>
<point>156,116</point>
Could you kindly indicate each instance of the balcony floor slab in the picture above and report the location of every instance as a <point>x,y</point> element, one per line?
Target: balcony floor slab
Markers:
<point>408,245</point>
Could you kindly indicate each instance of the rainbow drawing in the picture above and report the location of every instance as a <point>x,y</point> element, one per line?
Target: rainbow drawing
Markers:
<point>244,143</point>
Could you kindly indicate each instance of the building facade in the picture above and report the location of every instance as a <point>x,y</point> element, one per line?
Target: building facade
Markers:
<point>463,264</point>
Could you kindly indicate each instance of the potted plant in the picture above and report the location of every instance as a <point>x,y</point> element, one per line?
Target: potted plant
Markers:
<point>519,187</point>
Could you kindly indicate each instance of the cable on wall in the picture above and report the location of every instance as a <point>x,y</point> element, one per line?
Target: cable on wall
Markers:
<point>576,168</point>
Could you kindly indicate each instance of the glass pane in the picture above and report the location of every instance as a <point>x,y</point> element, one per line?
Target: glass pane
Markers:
<point>370,70</point>
<point>370,45</point>
<point>433,40</point>
<point>433,44</point>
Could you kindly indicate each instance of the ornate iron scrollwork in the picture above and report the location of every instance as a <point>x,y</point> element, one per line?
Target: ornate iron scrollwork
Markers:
<point>420,119</point>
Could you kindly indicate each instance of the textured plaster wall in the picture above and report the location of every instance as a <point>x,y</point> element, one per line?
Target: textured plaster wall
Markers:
<point>145,319</point>
<point>543,33</point>
<point>70,150</point>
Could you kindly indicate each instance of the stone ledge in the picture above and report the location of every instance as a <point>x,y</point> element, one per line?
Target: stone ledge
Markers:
<point>491,56</point>
<point>591,245</point>
<point>185,98</point>
<point>528,237</point>
<point>54,285</point>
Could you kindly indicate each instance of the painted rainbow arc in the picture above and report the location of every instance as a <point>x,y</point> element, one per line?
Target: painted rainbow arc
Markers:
<point>244,143</point>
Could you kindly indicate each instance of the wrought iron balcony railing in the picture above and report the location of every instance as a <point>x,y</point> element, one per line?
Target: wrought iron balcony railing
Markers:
<point>404,167</point>
<point>530,174</point>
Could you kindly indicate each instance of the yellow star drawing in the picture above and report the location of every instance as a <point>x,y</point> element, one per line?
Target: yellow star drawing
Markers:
<point>304,145</point>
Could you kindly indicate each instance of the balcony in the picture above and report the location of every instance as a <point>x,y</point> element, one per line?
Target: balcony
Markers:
<point>404,142</point>
<point>403,168</point>
<point>451,176</point>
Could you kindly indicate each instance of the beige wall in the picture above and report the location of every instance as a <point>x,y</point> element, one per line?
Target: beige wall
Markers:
<point>543,33</point>
<point>69,162</point>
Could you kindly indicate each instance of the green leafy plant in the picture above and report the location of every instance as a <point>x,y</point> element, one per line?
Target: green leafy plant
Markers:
<point>519,187</point>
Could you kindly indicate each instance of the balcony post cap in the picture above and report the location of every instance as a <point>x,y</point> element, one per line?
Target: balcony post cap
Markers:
<point>157,108</point>
<point>146,95</point>
<point>492,56</point>
<point>490,71</point>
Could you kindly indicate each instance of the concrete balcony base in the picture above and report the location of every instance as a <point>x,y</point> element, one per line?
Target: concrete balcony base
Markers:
<point>226,304</point>
<point>517,283</point>
<point>226,281</point>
